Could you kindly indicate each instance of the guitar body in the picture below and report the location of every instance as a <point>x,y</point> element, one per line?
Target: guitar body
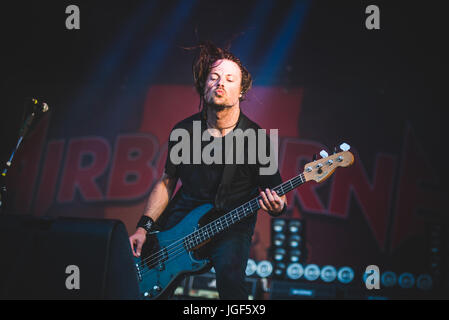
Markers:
<point>165,261</point>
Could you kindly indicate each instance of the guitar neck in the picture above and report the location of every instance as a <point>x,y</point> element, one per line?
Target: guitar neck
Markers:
<point>223,223</point>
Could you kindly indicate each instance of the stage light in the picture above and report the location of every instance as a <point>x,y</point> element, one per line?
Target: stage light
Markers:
<point>295,226</point>
<point>406,280</point>
<point>278,225</point>
<point>345,275</point>
<point>424,282</point>
<point>295,255</point>
<point>264,269</point>
<point>435,239</point>
<point>287,242</point>
<point>295,241</point>
<point>328,273</point>
<point>295,271</point>
<point>279,254</point>
<point>312,272</point>
<point>279,269</point>
<point>279,240</point>
<point>251,268</point>
<point>388,279</point>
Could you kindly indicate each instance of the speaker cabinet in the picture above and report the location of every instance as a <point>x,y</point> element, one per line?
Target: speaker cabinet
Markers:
<point>65,258</point>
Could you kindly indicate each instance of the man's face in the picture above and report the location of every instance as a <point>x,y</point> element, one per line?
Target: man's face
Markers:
<point>223,84</point>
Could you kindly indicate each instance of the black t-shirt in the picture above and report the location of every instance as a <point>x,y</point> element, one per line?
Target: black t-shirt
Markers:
<point>200,182</point>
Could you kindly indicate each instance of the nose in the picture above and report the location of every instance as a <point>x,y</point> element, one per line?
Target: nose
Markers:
<point>220,83</point>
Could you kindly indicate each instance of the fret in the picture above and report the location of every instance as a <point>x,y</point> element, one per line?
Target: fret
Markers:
<point>235,214</point>
<point>247,210</point>
<point>226,222</point>
<point>285,188</point>
<point>211,229</point>
<point>217,228</point>
<point>191,242</point>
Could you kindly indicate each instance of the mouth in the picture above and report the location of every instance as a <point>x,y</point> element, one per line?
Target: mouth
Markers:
<point>219,92</point>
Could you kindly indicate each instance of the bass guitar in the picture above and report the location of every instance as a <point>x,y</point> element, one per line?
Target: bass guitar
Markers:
<point>175,253</point>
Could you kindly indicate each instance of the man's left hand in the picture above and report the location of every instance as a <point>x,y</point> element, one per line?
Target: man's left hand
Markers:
<point>271,202</point>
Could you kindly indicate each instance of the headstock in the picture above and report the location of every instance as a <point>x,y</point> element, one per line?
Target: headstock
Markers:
<point>321,169</point>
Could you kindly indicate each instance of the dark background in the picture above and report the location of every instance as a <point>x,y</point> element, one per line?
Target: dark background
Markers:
<point>362,86</point>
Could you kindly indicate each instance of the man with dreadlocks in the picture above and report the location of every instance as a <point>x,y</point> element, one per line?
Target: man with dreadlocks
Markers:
<point>222,83</point>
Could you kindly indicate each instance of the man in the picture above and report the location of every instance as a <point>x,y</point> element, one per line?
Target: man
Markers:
<point>221,82</point>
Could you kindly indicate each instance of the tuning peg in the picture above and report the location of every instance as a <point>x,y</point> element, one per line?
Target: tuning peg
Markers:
<point>323,154</point>
<point>314,157</point>
<point>345,147</point>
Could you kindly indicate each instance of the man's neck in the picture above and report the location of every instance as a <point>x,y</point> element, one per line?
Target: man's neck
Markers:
<point>223,117</point>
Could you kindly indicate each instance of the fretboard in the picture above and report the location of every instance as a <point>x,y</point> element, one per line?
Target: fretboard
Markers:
<point>223,223</point>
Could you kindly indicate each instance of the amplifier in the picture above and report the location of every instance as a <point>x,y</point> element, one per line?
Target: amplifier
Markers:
<point>204,286</point>
<point>290,290</point>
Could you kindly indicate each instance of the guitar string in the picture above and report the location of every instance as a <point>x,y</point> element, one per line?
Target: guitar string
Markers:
<point>164,252</point>
<point>173,254</point>
<point>209,225</point>
<point>226,217</point>
<point>160,253</point>
<point>179,248</point>
<point>173,248</point>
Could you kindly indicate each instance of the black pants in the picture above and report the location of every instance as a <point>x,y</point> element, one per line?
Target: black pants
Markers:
<point>229,254</point>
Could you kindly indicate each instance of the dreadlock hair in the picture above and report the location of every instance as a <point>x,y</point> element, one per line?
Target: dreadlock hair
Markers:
<point>202,64</point>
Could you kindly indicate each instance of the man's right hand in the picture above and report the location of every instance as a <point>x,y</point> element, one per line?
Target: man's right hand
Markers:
<point>137,240</point>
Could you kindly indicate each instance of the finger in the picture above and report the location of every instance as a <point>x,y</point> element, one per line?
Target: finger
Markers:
<point>277,199</point>
<point>273,202</point>
<point>269,195</point>
<point>131,241</point>
<point>265,201</point>
<point>139,247</point>
<point>262,205</point>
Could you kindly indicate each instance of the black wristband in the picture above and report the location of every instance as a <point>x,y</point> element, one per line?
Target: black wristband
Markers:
<point>284,209</point>
<point>145,222</point>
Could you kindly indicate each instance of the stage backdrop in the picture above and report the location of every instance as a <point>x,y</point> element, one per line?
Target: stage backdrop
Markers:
<point>117,86</point>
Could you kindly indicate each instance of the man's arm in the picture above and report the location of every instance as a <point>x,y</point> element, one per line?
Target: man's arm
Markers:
<point>160,196</point>
<point>156,204</point>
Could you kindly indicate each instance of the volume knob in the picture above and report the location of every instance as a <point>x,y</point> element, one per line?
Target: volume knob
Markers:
<point>157,288</point>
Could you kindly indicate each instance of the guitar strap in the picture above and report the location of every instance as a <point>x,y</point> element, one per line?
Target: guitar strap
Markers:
<point>229,169</point>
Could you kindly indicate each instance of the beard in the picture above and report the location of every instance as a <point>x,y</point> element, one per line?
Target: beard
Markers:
<point>218,104</point>
<point>216,107</point>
